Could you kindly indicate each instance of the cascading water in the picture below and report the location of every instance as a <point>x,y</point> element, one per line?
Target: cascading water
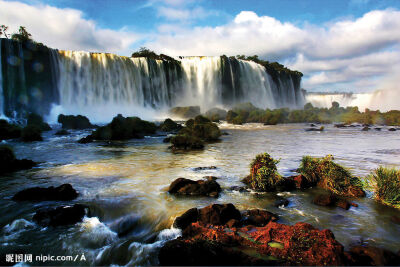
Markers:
<point>99,85</point>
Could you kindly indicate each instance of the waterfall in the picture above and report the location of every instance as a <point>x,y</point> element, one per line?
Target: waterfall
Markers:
<point>100,85</point>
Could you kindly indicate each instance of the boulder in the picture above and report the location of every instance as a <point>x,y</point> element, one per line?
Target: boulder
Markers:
<point>184,187</point>
<point>392,129</point>
<point>204,168</point>
<point>9,131</point>
<point>37,120</point>
<point>325,200</point>
<point>365,128</point>
<point>63,215</point>
<point>281,202</point>
<point>187,218</point>
<point>258,218</point>
<point>185,112</point>
<point>320,129</point>
<point>218,214</point>
<point>86,139</point>
<point>78,122</point>
<point>8,162</point>
<point>344,204</point>
<point>170,126</point>
<point>31,133</point>
<point>301,182</point>
<point>372,256</point>
<point>63,192</point>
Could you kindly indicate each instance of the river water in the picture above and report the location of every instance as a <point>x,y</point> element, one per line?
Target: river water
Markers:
<point>125,183</point>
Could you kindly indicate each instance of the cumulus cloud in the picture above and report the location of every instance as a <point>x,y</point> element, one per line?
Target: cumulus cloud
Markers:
<point>64,28</point>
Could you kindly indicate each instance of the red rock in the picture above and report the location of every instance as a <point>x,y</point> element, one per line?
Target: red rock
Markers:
<point>344,204</point>
<point>301,182</point>
<point>183,186</point>
<point>324,200</point>
<point>372,256</point>
<point>395,219</point>
<point>257,217</point>
<point>218,214</point>
<point>354,191</point>
<point>354,204</point>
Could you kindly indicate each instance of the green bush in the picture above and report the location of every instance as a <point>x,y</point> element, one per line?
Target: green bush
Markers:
<point>264,174</point>
<point>385,183</point>
<point>329,175</point>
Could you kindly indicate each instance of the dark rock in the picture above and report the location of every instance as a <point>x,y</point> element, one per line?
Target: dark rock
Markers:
<point>78,122</point>
<point>62,192</point>
<point>8,162</point>
<point>301,182</point>
<point>167,140</point>
<point>344,204</point>
<point>355,191</point>
<point>86,140</point>
<point>62,132</point>
<point>340,125</point>
<point>37,120</point>
<point>186,142</point>
<point>9,131</point>
<point>395,219</point>
<point>240,189</point>
<point>320,129</point>
<point>365,128</point>
<point>354,204</point>
<point>281,202</point>
<point>392,129</point>
<point>372,256</point>
<point>31,133</point>
<point>377,128</point>
<point>312,125</point>
<point>170,126</point>
<point>204,168</point>
<point>324,200</point>
<point>185,112</point>
<point>186,219</point>
<point>183,186</point>
<point>225,133</point>
<point>258,218</point>
<point>64,215</point>
<point>218,214</point>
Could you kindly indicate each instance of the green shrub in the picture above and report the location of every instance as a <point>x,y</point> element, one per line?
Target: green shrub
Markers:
<point>264,174</point>
<point>385,183</point>
<point>329,175</point>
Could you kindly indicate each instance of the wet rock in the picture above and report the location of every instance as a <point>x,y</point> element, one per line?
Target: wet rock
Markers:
<point>395,219</point>
<point>78,122</point>
<point>62,132</point>
<point>8,162</point>
<point>372,256</point>
<point>210,178</point>
<point>324,200</point>
<point>185,112</point>
<point>258,218</point>
<point>225,133</point>
<point>344,204</point>
<point>183,186</point>
<point>86,140</point>
<point>240,189</point>
<point>9,131</point>
<point>63,192</point>
<point>312,125</point>
<point>365,128</point>
<point>31,133</point>
<point>167,140</point>
<point>378,128</point>
<point>281,202</point>
<point>272,244</point>
<point>355,191</point>
<point>204,168</point>
<point>187,218</point>
<point>320,129</point>
<point>340,125</point>
<point>392,129</point>
<point>218,214</point>
<point>64,215</point>
<point>301,182</point>
<point>170,126</point>
<point>354,204</point>
<point>37,120</point>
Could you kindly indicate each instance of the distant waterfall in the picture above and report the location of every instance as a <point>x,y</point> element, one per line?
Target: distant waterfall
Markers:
<point>100,85</point>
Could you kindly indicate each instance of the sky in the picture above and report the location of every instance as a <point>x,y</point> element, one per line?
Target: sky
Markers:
<point>350,46</point>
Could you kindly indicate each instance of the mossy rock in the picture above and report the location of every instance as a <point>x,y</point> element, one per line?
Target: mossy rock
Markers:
<point>37,120</point>
<point>9,131</point>
<point>264,174</point>
<point>122,128</point>
<point>185,112</point>
<point>216,114</point>
<point>186,142</point>
<point>31,133</point>
<point>78,122</point>
<point>170,126</point>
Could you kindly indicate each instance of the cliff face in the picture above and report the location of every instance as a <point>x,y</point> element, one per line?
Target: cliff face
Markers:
<point>34,78</point>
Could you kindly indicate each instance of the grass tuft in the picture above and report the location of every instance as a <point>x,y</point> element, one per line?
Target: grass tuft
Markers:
<point>385,182</point>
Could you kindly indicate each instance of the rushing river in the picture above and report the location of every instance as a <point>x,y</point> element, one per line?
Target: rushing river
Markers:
<point>125,185</point>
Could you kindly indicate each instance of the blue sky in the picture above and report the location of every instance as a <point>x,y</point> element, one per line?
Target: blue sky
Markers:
<point>339,45</point>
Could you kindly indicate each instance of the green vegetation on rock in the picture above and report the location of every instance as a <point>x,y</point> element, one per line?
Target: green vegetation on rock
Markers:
<point>385,183</point>
<point>264,174</point>
<point>331,176</point>
<point>185,112</point>
<point>169,126</point>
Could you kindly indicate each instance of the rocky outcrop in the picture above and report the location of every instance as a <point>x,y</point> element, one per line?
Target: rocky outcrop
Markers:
<point>31,133</point>
<point>64,215</point>
<point>37,120</point>
<point>62,132</point>
<point>187,187</point>
<point>185,112</point>
<point>72,122</point>
<point>170,126</point>
<point>9,131</point>
<point>372,256</point>
<point>220,235</point>
<point>332,200</point>
<point>8,162</point>
<point>62,192</point>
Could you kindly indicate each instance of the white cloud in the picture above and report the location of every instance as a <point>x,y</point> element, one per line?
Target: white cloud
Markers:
<point>343,51</point>
<point>64,28</point>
